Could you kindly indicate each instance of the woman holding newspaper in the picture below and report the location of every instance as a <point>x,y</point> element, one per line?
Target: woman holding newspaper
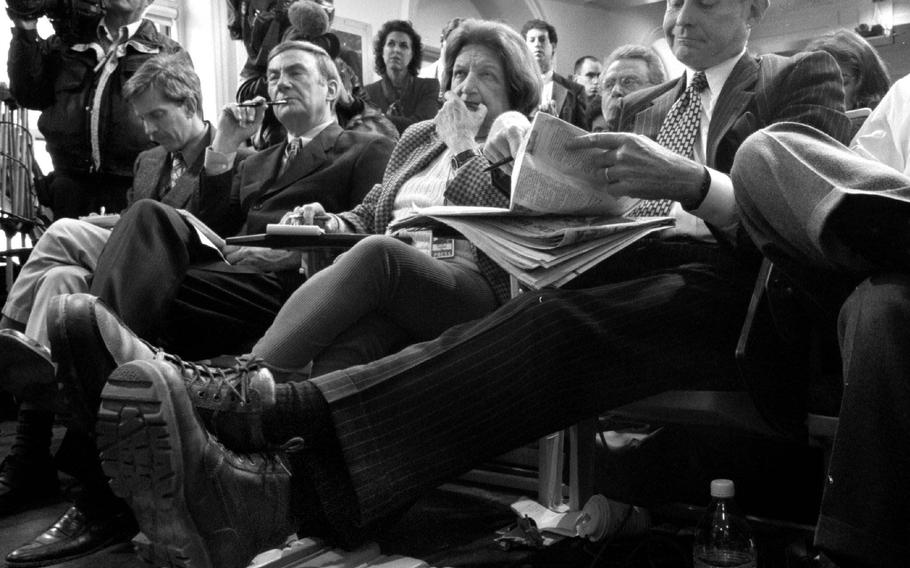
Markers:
<point>387,292</point>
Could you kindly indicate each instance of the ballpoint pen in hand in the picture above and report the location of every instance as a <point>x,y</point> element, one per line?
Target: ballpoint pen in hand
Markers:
<point>495,165</point>
<point>266,103</point>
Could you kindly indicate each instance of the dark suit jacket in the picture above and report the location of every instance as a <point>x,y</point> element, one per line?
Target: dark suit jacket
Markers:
<point>421,102</point>
<point>337,169</point>
<point>153,165</point>
<point>759,92</point>
<point>570,101</point>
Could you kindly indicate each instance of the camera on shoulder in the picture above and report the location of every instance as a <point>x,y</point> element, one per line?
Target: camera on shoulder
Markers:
<point>70,18</point>
<point>54,9</point>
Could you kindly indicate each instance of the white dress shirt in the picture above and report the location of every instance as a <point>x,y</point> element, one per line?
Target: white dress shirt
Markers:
<point>719,205</point>
<point>885,135</point>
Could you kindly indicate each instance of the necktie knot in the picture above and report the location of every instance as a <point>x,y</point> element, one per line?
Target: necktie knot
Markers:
<point>293,148</point>
<point>699,82</point>
<point>290,152</point>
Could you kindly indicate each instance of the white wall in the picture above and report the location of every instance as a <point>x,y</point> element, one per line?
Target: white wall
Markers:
<point>789,23</point>
<point>585,30</point>
<point>216,57</point>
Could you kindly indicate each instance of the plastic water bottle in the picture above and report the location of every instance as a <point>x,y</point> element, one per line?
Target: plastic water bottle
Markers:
<point>723,538</point>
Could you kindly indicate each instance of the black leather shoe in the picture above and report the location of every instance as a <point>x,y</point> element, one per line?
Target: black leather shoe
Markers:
<point>25,364</point>
<point>89,341</point>
<point>198,504</point>
<point>73,535</point>
<point>25,484</point>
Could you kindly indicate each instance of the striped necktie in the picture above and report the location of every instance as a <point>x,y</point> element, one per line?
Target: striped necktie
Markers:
<point>677,134</point>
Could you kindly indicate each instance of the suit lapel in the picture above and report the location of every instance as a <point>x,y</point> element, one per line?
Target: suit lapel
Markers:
<point>148,174</point>
<point>309,159</point>
<point>737,93</point>
<point>186,187</point>
<point>559,96</point>
<point>649,120</point>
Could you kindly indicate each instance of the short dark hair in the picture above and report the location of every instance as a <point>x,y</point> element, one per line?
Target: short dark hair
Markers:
<point>403,26</point>
<point>540,25</point>
<point>522,74</point>
<point>174,77</point>
<point>581,61</point>
<point>656,72</point>
<point>855,56</point>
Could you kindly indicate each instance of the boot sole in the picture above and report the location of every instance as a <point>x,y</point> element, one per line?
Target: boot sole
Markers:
<point>142,452</point>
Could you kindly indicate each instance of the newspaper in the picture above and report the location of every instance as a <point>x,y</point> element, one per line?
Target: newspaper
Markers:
<point>549,179</point>
<point>560,221</point>
<point>563,248</point>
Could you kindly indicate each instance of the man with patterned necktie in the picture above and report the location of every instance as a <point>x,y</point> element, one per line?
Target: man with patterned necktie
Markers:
<point>663,314</point>
<point>154,252</point>
<point>166,95</point>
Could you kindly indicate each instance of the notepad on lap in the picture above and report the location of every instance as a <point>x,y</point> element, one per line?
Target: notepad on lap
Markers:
<point>305,230</point>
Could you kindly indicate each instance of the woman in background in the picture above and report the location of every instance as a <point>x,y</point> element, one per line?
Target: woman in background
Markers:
<point>402,96</point>
<point>866,78</point>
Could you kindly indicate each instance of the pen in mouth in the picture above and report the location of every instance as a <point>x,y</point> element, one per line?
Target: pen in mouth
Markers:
<point>266,103</point>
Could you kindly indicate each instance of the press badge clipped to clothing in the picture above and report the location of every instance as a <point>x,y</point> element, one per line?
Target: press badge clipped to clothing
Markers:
<point>436,247</point>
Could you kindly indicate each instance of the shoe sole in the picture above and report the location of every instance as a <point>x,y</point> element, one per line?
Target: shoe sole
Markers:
<point>142,453</point>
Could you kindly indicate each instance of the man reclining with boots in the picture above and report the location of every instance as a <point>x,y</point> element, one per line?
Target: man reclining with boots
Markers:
<point>370,439</point>
<point>154,252</point>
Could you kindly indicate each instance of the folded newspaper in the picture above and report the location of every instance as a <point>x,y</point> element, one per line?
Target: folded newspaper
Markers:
<point>559,223</point>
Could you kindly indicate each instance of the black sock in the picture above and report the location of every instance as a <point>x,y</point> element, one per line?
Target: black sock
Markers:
<point>300,411</point>
<point>33,434</point>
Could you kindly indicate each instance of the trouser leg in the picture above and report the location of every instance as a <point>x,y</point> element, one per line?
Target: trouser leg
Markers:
<point>381,276</point>
<point>809,201</point>
<point>64,257</point>
<point>865,513</point>
<point>223,309</point>
<point>543,361</point>
<point>145,261</point>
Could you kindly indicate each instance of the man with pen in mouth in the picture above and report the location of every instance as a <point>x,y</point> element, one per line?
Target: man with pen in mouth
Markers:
<point>159,276</point>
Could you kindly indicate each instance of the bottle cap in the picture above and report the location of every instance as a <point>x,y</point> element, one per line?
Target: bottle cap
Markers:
<point>722,488</point>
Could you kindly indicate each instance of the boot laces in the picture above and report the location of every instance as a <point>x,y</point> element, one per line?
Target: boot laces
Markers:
<point>231,381</point>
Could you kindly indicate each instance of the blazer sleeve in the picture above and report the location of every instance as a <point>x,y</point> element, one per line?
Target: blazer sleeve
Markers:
<point>219,201</point>
<point>808,91</point>
<point>131,194</point>
<point>575,109</point>
<point>369,167</point>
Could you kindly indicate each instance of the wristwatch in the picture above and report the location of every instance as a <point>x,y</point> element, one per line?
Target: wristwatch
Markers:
<point>461,158</point>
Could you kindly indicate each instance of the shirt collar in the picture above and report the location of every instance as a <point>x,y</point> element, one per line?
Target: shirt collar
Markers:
<point>717,75</point>
<point>548,76</point>
<point>308,136</point>
<point>126,32</point>
<point>195,147</point>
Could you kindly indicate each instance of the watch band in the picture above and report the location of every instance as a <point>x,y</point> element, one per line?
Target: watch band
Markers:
<point>462,158</point>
